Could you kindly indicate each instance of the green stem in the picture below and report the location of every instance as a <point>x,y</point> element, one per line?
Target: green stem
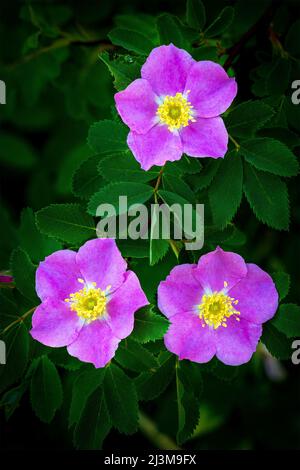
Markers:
<point>236,144</point>
<point>18,320</point>
<point>160,440</point>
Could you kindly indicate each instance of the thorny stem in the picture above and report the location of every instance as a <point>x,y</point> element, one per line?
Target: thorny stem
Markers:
<point>160,440</point>
<point>18,320</point>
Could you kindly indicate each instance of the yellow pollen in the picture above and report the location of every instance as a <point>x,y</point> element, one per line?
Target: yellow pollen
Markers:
<point>216,308</point>
<point>175,111</point>
<point>89,303</point>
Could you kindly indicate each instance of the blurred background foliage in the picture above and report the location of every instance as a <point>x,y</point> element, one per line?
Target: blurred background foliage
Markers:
<point>56,88</point>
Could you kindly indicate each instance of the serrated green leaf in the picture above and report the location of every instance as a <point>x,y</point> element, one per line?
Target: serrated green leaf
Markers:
<point>151,384</point>
<point>131,355</point>
<point>85,384</point>
<point>45,389</point>
<point>107,137</point>
<point>287,320</point>
<point>121,400</point>
<point>23,271</point>
<point>67,222</point>
<point>177,185</point>
<point>195,14</point>
<point>246,118</point>
<point>268,197</point>
<point>123,72</point>
<point>94,423</point>
<point>140,22</point>
<point>86,178</point>
<point>224,372</point>
<point>278,80</point>
<point>229,181</point>
<point>286,136</point>
<point>282,282</point>
<point>134,248</point>
<point>276,343</point>
<point>137,193</point>
<point>158,246</point>
<point>16,152</point>
<point>270,155</point>
<point>221,23</point>
<point>207,174</point>
<point>148,326</point>
<point>17,347</point>
<point>131,40</point>
<point>124,167</point>
<point>61,358</point>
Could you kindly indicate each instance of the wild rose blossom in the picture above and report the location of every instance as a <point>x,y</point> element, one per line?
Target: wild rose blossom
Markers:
<point>216,307</point>
<point>88,301</point>
<point>175,107</point>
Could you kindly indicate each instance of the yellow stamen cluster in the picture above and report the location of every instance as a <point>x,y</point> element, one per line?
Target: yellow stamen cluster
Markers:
<point>216,308</point>
<point>175,111</point>
<point>89,303</point>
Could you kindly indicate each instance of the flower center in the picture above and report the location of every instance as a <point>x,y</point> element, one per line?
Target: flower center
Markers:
<point>175,111</point>
<point>89,303</point>
<point>216,308</point>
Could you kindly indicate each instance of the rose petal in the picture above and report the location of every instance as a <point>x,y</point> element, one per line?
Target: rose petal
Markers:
<point>166,69</point>
<point>100,261</point>
<point>257,295</point>
<point>54,324</point>
<point>205,138</point>
<point>236,343</point>
<point>156,147</point>
<point>137,106</point>
<point>96,343</point>
<point>186,338</point>
<point>211,89</point>
<point>125,301</point>
<point>58,275</point>
<point>218,267</point>
<point>180,292</point>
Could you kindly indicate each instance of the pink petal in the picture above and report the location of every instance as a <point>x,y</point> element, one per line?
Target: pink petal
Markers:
<point>187,339</point>
<point>96,343</point>
<point>257,295</point>
<point>156,147</point>
<point>166,69</point>
<point>54,324</point>
<point>137,106</point>
<point>211,89</point>
<point>180,292</point>
<point>58,275</point>
<point>218,267</point>
<point>125,301</point>
<point>236,343</point>
<point>205,138</point>
<point>100,261</point>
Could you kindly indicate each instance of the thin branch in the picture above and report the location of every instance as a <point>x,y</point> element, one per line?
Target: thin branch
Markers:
<point>160,440</point>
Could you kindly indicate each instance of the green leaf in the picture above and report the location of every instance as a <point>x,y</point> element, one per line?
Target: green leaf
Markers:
<point>245,119</point>
<point>149,326</point>
<point>268,197</point>
<point>221,23</point>
<point>224,372</point>
<point>124,72</point>
<point>282,282</point>
<point>134,248</point>
<point>107,137</point>
<point>23,271</point>
<point>170,31</point>
<point>270,155</point>
<point>137,193</point>
<point>292,41</point>
<point>16,152</point>
<point>278,79</point>
<point>94,423</point>
<point>286,136</point>
<point>124,167</point>
<point>85,384</point>
<point>121,400</point>
<point>45,389</point>
<point>61,358</point>
<point>140,22</point>
<point>151,384</point>
<point>228,181</point>
<point>177,185</point>
<point>131,40</point>
<point>195,14</point>
<point>17,347</point>
<point>287,320</point>
<point>158,246</point>
<point>86,179</point>
<point>67,222</point>
<point>131,355</point>
<point>37,246</point>
<point>276,343</point>
<point>207,175</point>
